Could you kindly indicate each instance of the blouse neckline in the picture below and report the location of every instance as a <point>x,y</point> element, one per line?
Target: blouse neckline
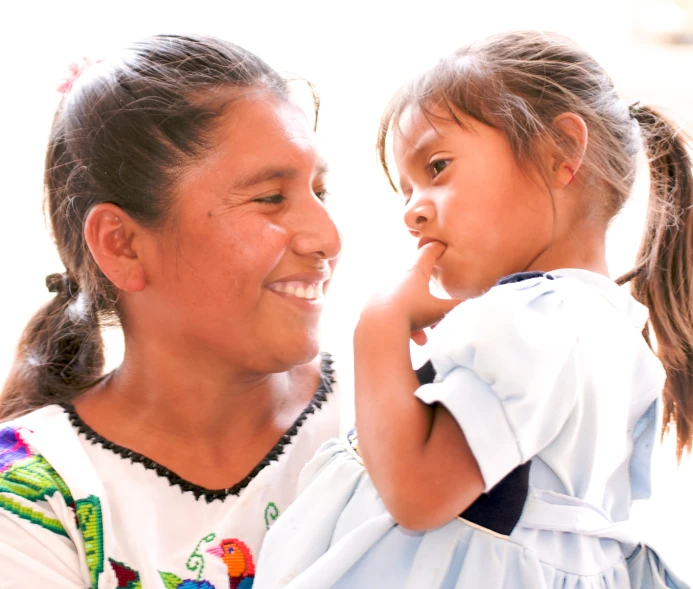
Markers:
<point>209,495</point>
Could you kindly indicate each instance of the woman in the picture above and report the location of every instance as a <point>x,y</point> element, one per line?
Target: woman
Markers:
<point>185,195</point>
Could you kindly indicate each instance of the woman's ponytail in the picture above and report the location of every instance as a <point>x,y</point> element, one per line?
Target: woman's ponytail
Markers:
<point>124,133</point>
<point>663,275</point>
<point>60,352</point>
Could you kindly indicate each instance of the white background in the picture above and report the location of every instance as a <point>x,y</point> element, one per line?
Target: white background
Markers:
<point>357,53</point>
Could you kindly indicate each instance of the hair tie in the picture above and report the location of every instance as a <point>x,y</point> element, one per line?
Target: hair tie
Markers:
<point>634,109</point>
<point>75,70</point>
<point>61,284</point>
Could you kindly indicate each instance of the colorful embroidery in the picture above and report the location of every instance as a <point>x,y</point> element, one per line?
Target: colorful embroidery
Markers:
<point>353,439</point>
<point>35,517</point>
<point>127,578</point>
<point>12,448</point>
<point>30,477</point>
<point>34,479</point>
<point>271,514</point>
<point>238,560</point>
<point>89,520</point>
<point>172,582</point>
<point>195,563</point>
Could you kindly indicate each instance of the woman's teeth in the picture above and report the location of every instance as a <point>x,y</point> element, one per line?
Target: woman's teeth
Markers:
<point>301,290</point>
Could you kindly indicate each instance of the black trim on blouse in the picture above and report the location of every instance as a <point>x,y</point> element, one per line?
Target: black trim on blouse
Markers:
<point>324,388</point>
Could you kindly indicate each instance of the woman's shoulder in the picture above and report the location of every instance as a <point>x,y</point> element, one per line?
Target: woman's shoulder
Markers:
<point>24,471</point>
<point>37,463</point>
<point>25,438</point>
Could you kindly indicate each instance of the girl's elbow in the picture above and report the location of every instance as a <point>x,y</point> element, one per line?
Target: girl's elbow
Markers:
<point>418,514</point>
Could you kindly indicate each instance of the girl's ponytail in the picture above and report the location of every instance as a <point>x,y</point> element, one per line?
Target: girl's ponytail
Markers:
<point>663,275</point>
<point>59,354</point>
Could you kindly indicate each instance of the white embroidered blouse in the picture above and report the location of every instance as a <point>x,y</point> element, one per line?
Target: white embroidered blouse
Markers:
<point>77,511</point>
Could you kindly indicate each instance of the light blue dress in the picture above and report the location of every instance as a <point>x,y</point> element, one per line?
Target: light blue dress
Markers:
<point>552,369</point>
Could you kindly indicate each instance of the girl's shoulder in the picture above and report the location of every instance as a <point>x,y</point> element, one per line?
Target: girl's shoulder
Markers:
<point>530,312</point>
<point>540,294</point>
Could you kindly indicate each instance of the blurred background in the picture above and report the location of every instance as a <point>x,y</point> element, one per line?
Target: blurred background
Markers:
<point>356,53</point>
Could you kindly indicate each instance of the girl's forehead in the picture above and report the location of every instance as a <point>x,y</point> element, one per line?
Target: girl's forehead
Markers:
<point>417,128</point>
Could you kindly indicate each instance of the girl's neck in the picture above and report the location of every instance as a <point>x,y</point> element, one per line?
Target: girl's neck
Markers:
<point>581,247</point>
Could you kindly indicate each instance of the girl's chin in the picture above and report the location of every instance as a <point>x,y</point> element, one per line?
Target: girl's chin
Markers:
<point>460,289</point>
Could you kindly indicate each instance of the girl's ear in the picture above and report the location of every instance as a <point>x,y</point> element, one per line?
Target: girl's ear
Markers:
<point>575,134</point>
<point>113,239</point>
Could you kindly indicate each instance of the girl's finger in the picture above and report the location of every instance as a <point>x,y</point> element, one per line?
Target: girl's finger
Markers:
<point>435,311</point>
<point>428,256</point>
<point>419,337</point>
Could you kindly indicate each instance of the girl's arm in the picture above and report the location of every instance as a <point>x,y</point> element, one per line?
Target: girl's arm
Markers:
<point>416,455</point>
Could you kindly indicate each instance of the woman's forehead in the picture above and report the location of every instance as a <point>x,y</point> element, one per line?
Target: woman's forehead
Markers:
<point>263,131</point>
<point>260,138</point>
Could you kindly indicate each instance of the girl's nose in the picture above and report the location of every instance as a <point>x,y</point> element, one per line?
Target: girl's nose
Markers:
<point>418,213</point>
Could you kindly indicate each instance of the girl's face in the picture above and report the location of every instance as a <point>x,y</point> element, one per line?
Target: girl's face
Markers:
<point>464,188</point>
<point>241,274</point>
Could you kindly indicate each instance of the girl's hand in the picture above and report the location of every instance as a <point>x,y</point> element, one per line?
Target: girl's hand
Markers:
<point>411,300</point>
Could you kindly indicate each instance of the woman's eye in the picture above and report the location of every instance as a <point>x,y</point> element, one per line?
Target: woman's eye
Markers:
<point>437,167</point>
<point>274,199</point>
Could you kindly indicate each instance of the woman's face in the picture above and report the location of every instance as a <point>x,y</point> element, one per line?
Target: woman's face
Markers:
<point>242,273</point>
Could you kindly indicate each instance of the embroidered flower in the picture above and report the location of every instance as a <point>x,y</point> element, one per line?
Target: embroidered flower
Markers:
<point>12,448</point>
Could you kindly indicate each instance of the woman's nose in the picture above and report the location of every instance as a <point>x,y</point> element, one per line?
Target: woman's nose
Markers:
<point>316,232</point>
<point>418,213</point>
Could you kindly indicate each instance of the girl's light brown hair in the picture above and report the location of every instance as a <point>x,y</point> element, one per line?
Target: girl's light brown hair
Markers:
<point>518,83</point>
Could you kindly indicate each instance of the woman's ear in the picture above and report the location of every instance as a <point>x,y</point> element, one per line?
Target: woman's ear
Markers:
<point>113,237</point>
<point>574,129</point>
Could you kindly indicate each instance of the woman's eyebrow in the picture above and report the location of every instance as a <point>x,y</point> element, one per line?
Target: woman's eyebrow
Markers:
<point>263,175</point>
<point>271,173</point>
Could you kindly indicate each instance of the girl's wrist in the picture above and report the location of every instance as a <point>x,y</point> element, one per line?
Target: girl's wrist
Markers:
<point>382,321</point>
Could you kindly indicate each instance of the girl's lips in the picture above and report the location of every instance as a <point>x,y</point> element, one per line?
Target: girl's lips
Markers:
<point>424,240</point>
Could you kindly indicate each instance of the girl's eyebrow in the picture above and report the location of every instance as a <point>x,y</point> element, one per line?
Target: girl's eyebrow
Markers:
<point>424,143</point>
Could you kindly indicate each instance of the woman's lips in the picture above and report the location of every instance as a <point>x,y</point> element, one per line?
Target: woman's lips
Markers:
<point>311,291</point>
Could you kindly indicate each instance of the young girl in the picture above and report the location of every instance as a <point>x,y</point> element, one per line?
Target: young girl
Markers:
<point>513,157</point>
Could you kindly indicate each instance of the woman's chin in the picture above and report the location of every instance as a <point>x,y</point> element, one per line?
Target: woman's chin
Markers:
<point>298,352</point>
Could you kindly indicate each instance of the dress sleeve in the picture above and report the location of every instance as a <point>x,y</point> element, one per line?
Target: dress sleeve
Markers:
<point>36,521</point>
<point>34,556</point>
<point>508,370</point>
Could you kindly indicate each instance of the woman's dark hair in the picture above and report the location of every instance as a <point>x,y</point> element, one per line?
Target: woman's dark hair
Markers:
<point>123,134</point>
<point>518,83</point>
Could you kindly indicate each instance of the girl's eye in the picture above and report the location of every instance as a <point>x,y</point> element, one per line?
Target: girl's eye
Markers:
<point>274,199</point>
<point>437,167</point>
<point>322,194</point>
